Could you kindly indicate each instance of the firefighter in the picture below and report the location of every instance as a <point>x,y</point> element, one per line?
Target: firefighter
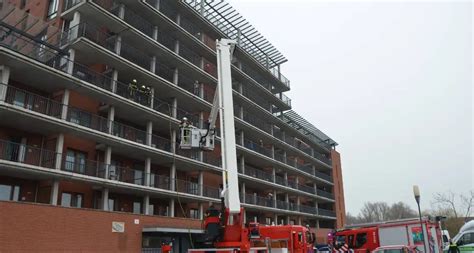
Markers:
<point>453,247</point>
<point>143,93</point>
<point>132,87</point>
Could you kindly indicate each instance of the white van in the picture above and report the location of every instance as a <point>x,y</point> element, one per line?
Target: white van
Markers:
<point>465,238</point>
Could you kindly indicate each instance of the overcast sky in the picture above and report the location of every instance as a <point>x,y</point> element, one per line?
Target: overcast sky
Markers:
<point>391,82</point>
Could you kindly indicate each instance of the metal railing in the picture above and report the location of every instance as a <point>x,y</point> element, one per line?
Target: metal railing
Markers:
<point>68,4</point>
<point>325,212</point>
<point>291,161</point>
<point>282,204</point>
<point>160,181</point>
<point>87,119</point>
<point>211,158</point>
<point>83,166</point>
<point>322,158</point>
<point>20,153</point>
<point>292,184</point>
<point>280,180</point>
<point>189,55</point>
<point>249,171</point>
<point>211,192</point>
<point>323,176</point>
<point>188,187</point>
<point>190,27</point>
<point>279,157</point>
<point>308,209</point>
<point>123,174</point>
<point>257,122</point>
<point>161,143</point>
<point>325,194</point>
<point>305,168</point>
<point>306,188</point>
<point>262,201</point>
<point>292,206</point>
<point>259,148</point>
<point>129,133</point>
<point>193,154</point>
<point>32,102</point>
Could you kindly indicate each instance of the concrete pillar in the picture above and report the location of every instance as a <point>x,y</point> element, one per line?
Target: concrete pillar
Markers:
<point>176,46</point>
<point>240,87</point>
<point>74,26</point>
<point>113,85</point>
<point>155,33</point>
<point>175,76</point>
<point>274,174</point>
<point>4,78</point>
<point>201,119</point>
<point>245,212</point>
<point>157,4</point>
<point>178,19</point>
<point>201,183</point>
<point>313,168</point>
<point>59,151</point>
<point>287,219</point>
<point>317,224</point>
<point>173,141</point>
<point>152,98</point>
<point>298,202</point>
<point>70,62</point>
<point>107,161</point>
<point>146,204</point>
<point>241,112</point>
<point>110,119</point>
<point>284,156</point>
<point>283,135</point>
<point>243,192</point>
<point>149,132</point>
<point>274,199</point>
<point>54,192</point>
<point>201,211</point>
<point>65,104</point>
<point>118,44</point>
<point>22,150</point>
<point>171,209</point>
<point>275,219</point>
<point>121,12</point>
<point>299,220</point>
<point>174,108</point>
<point>285,177</point>
<point>273,151</point>
<point>105,200</point>
<point>173,177</point>
<point>242,138</point>
<point>153,64</point>
<point>147,171</point>
<point>242,164</point>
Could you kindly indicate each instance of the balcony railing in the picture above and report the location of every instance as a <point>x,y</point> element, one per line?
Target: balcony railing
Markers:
<point>187,187</point>
<point>305,168</point>
<point>262,201</point>
<point>308,209</point>
<point>306,188</point>
<point>292,184</point>
<point>325,194</point>
<point>160,143</point>
<point>124,174</point>
<point>282,204</point>
<point>323,176</point>
<point>129,133</point>
<point>324,212</point>
<point>211,158</point>
<point>32,102</point>
<point>249,171</point>
<point>280,180</point>
<point>292,206</point>
<point>160,181</point>
<point>259,148</point>
<point>20,153</point>
<point>83,166</point>
<point>322,158</point>
<point>257,122</point>
<point>87,119</point>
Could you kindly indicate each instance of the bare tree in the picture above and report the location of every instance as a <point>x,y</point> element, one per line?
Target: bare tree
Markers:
<point>457,204</point>
<point>374,212</point>
<point>351,219</point>
<point>401,210</point>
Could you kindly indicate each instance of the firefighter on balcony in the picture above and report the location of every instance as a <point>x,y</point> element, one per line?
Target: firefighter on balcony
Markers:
<point>143,97</point>
<point>132,88</point>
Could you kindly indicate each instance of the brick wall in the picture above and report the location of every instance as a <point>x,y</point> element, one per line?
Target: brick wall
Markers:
<point>29,227</point>
<point>340,207</point>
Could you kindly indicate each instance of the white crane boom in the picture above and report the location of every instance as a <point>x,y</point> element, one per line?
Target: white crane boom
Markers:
<point>193,137</point>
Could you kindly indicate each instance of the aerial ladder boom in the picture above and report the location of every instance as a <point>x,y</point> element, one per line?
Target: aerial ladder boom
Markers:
<point>223,105</point>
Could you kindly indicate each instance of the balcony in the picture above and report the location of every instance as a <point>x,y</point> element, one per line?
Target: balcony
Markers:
<point>260,174</point>
<point>323,176</point>
<point>325,194</point>
<point>160,181</point>
<point>282,205</point>
<point>308,209</point>
<point>306,188</point>
<point>20,153</point>
<point>257,122</point>
<point>306,168</point>
<point>259,148</point>
<point>84,167</point>
<point>324,212</point>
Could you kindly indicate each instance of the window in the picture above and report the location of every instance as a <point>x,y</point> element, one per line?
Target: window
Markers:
<point>71,199</point>
<point>467,238</point>
<point>193,214</point>
<point>361,239</point>
<point>75,161</point>
<point>52,9</point>
<point>9,192</point>
<point>350,241</point>
<point>137,207</point>
<point>138,177</point>
<point>22,99</point>
<point>111,203</point>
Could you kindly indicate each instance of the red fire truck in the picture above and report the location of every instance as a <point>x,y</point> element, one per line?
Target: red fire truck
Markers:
<point>367,237</point>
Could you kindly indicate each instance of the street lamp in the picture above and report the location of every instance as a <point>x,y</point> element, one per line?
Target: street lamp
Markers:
<point>416,192</point>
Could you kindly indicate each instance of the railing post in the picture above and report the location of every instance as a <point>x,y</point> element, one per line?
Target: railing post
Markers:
<point>149,133</point>
<point>173,177</point>
<point>4,78</point>
<point>59,151</point>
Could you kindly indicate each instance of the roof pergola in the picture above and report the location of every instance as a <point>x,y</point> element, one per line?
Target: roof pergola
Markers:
<point>231,23</point>
<point>308,129</point>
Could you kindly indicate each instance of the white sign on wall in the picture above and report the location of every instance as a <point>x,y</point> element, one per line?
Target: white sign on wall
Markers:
<point>118,227</point>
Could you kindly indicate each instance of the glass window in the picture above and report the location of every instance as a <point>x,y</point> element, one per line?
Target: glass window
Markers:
<point>75,161</point>
<point>361,239</point>
<point>9,192</point>
<point>71,199</point>
<point>111,204</point>
<point>138,177</point>
<point>137,207</point>
<point>466,239</point>
<point>193,214</point>
<point>53,9</point>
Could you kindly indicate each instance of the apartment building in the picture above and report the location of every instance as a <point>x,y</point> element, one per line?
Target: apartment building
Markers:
<point>89,159</point>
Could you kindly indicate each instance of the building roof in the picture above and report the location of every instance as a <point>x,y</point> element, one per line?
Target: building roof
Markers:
<point>231,23</point>
<point>305,127</point>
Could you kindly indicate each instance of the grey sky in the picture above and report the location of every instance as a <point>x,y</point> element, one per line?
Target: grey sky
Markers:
<point>391,82</point>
